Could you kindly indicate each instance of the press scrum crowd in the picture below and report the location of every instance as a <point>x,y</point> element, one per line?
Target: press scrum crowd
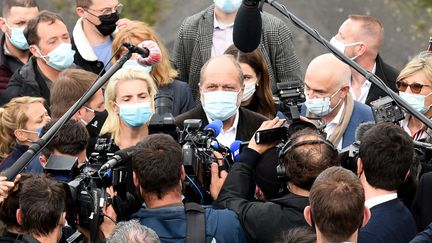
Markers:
<point>193,146</point>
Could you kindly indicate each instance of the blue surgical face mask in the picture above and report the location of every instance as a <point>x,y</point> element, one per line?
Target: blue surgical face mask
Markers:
<point>228,6</point>
<point>134,63</point>
<point>60,58</point>
<point>136,114</point>
<point>320,106</point>
<point>417,101</point>
<point>17,37</point>
<point>220,105</point>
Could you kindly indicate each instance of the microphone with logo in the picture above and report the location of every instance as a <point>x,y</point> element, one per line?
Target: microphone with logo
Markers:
<point>247,26</point>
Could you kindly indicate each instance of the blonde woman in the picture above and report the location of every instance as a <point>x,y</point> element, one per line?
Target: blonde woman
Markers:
<point>415,87</point>
<point>129,101</point>
<point>163,73</point>
<point>21,121</point>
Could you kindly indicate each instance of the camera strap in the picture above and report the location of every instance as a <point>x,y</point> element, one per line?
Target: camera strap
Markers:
<point>195,223</point>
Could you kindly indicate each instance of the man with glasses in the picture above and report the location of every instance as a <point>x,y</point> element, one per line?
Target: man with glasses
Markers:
<point>360,38</point>
<point>221,88</point>
<point>14,49</point>
<point>328,100</point>
<point>92,34</point>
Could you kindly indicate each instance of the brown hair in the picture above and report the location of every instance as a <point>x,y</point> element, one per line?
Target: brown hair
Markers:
<point>12,117</point>
<point>68,87</point>
<point>305,162</point>
<point>31,31</point>
<point>337,203</point>
<point>263,94</point>
<point>136,32</point>
<point>83,3</point>
<point>8,4</point>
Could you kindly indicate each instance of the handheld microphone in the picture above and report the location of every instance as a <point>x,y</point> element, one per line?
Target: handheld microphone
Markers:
<point>220,147</point>
<point>247,26</point>
<point>213,129</point>
<point>119,157</point>
<point>236,148</point>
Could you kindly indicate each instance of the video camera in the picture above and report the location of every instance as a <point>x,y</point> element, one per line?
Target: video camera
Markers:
<point>289,97</point>
<point>162,120</point>
<point>197,156</point>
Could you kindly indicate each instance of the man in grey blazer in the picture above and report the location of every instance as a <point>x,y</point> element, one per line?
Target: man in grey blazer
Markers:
<point>209,32</point>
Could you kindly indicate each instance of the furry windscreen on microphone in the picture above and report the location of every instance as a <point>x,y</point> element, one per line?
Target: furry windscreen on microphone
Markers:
<point>155,55</point>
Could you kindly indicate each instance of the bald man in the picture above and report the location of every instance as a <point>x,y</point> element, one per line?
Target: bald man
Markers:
<point>328,100</point>
<point>360,38</point>
<point>221,89</point>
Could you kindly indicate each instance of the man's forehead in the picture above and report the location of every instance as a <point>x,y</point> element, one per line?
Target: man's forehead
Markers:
<point>101,4</point>
<point>22,13</point>
<point>47,30</point>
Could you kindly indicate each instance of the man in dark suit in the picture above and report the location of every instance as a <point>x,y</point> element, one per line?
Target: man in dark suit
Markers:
<point>385,157</point>
<point>221,89</point>
<point>360,38</point>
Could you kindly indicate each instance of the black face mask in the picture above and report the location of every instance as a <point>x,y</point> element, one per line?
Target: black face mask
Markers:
<point>108,23</point>
<point>95,125</point>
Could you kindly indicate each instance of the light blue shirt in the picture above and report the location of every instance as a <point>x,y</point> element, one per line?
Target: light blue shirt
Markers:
<point>103,52</point>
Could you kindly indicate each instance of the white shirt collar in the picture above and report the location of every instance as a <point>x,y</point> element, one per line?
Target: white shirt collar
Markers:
<point>364,90</point>
<point>330,127</point>
<point>219,25</point>
<point>380,199</point>
<point>227,137</point>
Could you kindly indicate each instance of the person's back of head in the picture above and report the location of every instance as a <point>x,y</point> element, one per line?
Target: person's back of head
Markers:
<point>68,88</point>
<point>298,235</point>
<point>386,154</point>
<point>157,165</point>
<point>42,206</point>
<point>133,231</point>
<point>370,31</point>
<point>337,207</point>
<point>306,155</point>
<point>70,140</point>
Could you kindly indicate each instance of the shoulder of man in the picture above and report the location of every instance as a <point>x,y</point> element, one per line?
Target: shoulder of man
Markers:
<point>223,225</point>
<point>194,20</point>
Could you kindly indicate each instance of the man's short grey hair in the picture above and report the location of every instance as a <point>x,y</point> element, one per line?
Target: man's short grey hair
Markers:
<point>133,231</point>
<point>231,58</point>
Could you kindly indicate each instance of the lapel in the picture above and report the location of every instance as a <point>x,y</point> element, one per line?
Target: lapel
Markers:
<point>205,34</point>
<point>374,90</point>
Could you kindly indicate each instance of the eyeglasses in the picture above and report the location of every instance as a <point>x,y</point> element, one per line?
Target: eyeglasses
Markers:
<point>414,87</point>
<point>107,11</point>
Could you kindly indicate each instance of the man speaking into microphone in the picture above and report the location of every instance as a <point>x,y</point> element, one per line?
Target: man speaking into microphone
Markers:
<point>210,32</point>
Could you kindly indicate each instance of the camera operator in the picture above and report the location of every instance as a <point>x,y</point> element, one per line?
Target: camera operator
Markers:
<point>70,140</point>
<point>159,175</point>
<point>41,209</point>
<point>221,88</point>
<point>305,156</point>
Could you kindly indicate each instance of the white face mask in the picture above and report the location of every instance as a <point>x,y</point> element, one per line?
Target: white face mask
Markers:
<point>340,46</point>
<point>321,106</point>
<point>249,91</point>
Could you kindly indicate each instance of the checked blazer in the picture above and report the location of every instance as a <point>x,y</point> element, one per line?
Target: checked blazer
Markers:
<point>192,48</point>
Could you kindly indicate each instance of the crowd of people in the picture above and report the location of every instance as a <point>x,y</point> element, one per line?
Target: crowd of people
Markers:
<point>292,189</point>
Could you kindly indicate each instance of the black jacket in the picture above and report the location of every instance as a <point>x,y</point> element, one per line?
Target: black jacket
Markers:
<point>421,207</point>
<point>388,75</point>
<point>26,81</point>
<point>248,122</point>
<point>262,221</point>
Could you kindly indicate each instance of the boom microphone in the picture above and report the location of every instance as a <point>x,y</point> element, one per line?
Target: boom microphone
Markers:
<point>213,129</point>
<point>119,158</point>
<point>247,26</point>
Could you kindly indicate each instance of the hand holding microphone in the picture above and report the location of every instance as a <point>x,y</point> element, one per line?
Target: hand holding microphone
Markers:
<point>154,56</point>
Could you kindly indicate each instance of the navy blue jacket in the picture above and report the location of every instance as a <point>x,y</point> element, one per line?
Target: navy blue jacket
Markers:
<point>390,222</point>
<point>182,96</point>
<point>170,224</point>
<point>424,237</point>
<point>361,113</point>
<point>33,167</point>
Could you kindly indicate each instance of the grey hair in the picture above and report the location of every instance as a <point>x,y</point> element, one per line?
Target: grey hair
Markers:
<point>240,76</point>
<point>133,231</point>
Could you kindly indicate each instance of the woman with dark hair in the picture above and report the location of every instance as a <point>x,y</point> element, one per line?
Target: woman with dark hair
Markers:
<point>257,94</point>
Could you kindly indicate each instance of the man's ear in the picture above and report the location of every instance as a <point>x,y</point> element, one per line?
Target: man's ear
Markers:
<point>63,218</point>
<point>3,26</point>
<point>19,216</point>
<point>43,160</point>
<point>135,179</point>
<point>34,52</point>
<point>79,114</point>
<point>183,174</point>
<point>366,216</point>
<point>359,167</point>
<point>80,11</point>
<point>307,215</point>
